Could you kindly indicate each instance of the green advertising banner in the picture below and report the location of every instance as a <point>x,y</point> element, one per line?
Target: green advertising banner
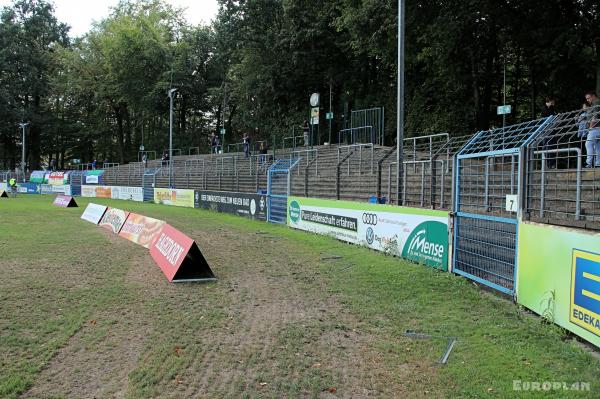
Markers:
<point>559,277</point>
<point>420,235</point>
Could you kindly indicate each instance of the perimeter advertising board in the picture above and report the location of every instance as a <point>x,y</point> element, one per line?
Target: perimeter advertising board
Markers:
<point>175,197</point>
<point>93,213</point>
<point>179,257</point>
<point>28,188</point>
<point>420,235</point>
<point>113,219</point>
<point>127,193</point>
<point>559,277</point>
<point>60,189</point>
<point>253,206</point>
<point>141,229</point>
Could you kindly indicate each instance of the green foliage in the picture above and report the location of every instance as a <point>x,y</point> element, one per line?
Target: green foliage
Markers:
<point>254,68</point>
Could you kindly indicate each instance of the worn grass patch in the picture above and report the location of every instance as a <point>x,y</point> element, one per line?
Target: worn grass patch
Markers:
<point>84,313</point>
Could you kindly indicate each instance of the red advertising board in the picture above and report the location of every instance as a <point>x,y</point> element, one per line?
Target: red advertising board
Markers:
<point>179,257</point>
<point>113,219</point>
<point>65,201</point>
<point>141,229</point>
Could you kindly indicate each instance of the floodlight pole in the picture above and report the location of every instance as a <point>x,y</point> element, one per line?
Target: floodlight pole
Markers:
<point>170,94</point>
<point>23,162</point>
<point>400,105</point>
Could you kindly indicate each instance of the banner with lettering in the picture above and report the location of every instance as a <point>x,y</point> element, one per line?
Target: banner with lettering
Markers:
<point>114,219</point>
<point>179,257</point>
<point>141,229</point>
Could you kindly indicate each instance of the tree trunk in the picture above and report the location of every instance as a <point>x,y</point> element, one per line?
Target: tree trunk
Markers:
<point>533,95</point>
<point>120,133</point>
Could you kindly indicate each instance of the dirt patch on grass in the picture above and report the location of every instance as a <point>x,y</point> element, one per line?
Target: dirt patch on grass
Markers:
<point>268,328</point>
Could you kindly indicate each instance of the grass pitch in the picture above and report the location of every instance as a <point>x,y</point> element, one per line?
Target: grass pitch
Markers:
<point>84,313</point>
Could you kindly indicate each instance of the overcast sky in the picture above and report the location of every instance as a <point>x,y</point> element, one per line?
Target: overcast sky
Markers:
<point>79,14</point>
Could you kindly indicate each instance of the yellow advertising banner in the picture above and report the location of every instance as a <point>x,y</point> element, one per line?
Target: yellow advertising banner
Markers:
<point>174,197</point>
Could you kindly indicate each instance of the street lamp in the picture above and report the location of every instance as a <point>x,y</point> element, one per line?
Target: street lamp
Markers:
<point>400,110</point>
<point>170,94</point>
<point>23,163</point>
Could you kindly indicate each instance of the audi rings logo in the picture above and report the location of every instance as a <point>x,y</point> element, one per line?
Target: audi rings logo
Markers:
<point>370,236</point>
<point>370,218</point>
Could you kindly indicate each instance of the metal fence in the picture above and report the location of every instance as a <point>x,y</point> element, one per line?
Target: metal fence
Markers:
<point>373,117</point>
<point>563,179</point>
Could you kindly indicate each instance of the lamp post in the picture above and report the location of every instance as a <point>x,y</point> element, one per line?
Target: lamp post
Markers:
<point>170,94</point>
<point>400,110</point>
<point>23,162</point>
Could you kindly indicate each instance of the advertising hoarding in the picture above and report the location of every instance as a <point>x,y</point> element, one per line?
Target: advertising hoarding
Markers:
<point>113,219</point>
<point>141,229</point>
<point>420,235</point>
<point>93,213</point>
<point>175,197</point>
<point>253,206</point>
<point>559,277</point>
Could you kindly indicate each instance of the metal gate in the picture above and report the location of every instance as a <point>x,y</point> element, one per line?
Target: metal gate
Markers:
<point>76,181</point>
<point>148,183</point>
<point>278,189</point>
<point>374,119</point>
<point>488,181</point>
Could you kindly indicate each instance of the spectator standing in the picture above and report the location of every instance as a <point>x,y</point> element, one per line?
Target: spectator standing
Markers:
<point>582,128</point>
<point>217,143</point>
<point>549,143</point>
<point>306,133</point>
<point>145,160</point>
<point>52,165</point>
<point>592,99</point>
<point>263,152</point>
<point>592,144</point>
<point>246,140</point>
<point>213,143</point>
<point>165,159</point>
<point>94,164</point>
<point>105,163</point>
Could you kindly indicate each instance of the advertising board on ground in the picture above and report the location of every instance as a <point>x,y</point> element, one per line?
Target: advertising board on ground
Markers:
<point>175,197</point>
<point>179,257</point>
<point>93,213</point>
<point>113,219</point>
<point>141,229</point>
<point>559,277</point>
<point>253,206</point>
<point>64,201</point>
<point>420,235</point>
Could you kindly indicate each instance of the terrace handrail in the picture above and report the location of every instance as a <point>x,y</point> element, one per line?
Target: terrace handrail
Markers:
<point>351,130</point>
<point>544,154</point>
<point>360,147</point>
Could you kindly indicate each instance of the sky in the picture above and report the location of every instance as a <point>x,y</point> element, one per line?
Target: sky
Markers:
<point>80,14</point>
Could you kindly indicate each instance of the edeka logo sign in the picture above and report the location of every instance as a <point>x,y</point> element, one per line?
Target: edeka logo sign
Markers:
<point>585,291</point>
<point>294,211</point>
<point>427,244</point>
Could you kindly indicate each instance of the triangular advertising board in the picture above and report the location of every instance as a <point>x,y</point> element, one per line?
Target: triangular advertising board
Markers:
<point>179,257</point>
<point>65,201</point>
<point>141,229</point>
<point>93,213</point>
<point>3,194</point>
<point>113,219</point>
